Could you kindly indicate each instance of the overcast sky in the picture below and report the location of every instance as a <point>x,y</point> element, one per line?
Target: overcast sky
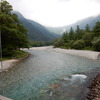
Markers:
<point>56,12</point>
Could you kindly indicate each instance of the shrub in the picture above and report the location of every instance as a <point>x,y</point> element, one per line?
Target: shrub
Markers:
<point>96,43</point>
<point>79,44</point>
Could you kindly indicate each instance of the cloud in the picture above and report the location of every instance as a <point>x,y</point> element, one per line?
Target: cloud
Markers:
<point>56,12</point>
<point>97,1</point>
<point>64,0</point>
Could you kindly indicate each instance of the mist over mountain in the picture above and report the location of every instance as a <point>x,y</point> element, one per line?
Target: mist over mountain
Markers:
<point>39,32</point>
<point>82,23</point>
<point>36,31</point>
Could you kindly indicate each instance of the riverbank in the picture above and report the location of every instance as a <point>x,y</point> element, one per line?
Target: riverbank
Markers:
<point>7,64</point>
<point>4,98</point>
<point>83,53</point>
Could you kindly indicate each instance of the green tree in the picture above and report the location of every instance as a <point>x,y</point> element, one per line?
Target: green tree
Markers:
<point>88,37</point>
<point>59,43</point>
<point>78,33</point>
<point>5,7</point>
<point>87,28</point>
<point>65,37</point>
<point>77,29</point>
<point>96,29</point>
<point>13,34</point>
<point>78,44</point>
<point>96,43</point>
<point>71,34</point>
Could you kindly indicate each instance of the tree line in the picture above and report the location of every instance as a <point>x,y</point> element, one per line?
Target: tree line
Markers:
<point>13,34</point>
<point>40,43</point>
<point>80,38</point>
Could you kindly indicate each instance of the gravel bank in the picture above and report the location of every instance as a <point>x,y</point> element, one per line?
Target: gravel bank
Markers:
<point>7,64</point>
<point>83,53</point>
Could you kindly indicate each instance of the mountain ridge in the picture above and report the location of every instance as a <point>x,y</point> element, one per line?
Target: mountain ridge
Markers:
<point>82,23</point>
<point>36,31</point>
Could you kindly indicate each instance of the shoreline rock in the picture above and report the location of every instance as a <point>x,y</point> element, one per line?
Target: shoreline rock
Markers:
<point>94,89</point>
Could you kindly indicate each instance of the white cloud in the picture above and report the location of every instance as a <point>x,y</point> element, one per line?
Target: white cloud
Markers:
<point>64,0</point>
<point>98,1</point>
<point>56,12</point>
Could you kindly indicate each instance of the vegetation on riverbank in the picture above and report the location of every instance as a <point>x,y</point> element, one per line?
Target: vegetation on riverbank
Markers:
<point>18,54</point>
<point>41,43</point>
<point>13,34</point>
<point>80,39</point>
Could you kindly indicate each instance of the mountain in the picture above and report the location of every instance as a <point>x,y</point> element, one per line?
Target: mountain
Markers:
<point>36,31</point>
<point>44,30</point>
<point>82,23</point>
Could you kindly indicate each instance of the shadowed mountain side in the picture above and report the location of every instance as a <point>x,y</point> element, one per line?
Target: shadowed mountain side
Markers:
<point>44,30</point>
<point>36,31</point>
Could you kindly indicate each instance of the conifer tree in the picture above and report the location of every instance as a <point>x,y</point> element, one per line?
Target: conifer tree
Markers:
<point>13,34</point>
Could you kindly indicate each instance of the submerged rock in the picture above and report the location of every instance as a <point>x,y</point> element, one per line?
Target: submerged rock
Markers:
<point>54,86</point>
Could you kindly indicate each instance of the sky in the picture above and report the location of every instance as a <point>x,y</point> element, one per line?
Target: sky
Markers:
<point>56,13</point>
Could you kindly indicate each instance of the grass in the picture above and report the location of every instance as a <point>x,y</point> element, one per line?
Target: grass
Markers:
<point>89,48</point>
<point>86,48</point>
<point>5,58</point>
<point>18,54</point>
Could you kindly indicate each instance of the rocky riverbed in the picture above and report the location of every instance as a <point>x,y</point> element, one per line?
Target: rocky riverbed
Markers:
<point>62,87</point>
<point>94,89</point>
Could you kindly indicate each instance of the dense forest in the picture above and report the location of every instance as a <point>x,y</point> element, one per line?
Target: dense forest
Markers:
<point>13,34</point>
<point>80,39</point>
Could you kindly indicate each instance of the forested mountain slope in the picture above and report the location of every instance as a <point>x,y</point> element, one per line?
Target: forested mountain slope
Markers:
<point>36,31</point>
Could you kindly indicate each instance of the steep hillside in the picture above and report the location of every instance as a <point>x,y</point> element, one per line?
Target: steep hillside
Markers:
<point>44,30</point>
<point>36,31</point>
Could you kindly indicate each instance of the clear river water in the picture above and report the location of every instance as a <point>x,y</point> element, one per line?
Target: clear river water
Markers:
<point>31,78</point>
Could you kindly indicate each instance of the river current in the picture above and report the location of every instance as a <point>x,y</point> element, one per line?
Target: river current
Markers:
<point>31,78</point>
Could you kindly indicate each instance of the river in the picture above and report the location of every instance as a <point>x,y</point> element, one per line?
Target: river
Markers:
<point>31,78</point>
